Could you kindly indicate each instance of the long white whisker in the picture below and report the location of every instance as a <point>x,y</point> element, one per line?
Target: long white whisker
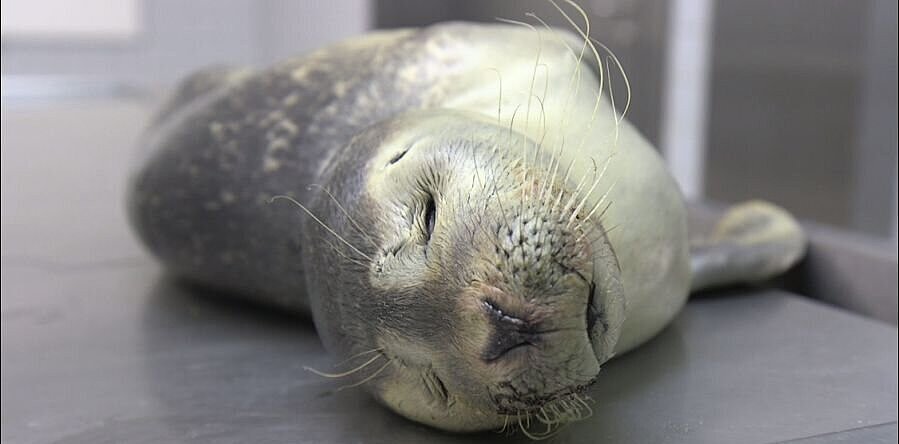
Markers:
<point>347,214</point>
<point>590,191</point>
<point>585,34</point>
<point>320,222</point>
<point>499,102</point>
<point>346,373</point>
<point>627,83</point>
<point>612,106</point>
<point>344,255</point>
<point>369,378</point>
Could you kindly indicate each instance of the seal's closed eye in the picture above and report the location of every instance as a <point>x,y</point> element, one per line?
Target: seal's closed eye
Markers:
<point>430,217</point>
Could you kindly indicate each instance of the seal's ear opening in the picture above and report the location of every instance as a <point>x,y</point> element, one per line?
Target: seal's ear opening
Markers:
<point>396,158</point>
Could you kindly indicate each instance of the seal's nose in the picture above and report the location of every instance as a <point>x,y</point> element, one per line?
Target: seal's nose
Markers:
<point>508,332</point>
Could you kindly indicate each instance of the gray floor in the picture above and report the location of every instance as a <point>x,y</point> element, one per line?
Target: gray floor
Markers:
<point>99,346</point>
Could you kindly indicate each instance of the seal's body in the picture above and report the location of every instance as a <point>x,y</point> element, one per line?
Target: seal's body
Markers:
<point>478,229</point>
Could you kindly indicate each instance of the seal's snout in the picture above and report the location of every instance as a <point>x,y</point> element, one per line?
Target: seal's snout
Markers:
<point>535,346</point>
<point>522,329</point>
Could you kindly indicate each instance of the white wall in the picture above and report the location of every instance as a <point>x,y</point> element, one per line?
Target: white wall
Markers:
<point>102,20</point>
<point>177,36</point>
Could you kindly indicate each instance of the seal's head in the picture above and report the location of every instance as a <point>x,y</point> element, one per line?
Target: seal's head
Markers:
<point>468,275</point>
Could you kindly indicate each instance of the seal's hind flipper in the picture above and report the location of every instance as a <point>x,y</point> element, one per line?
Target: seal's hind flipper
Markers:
<point>754,241</point>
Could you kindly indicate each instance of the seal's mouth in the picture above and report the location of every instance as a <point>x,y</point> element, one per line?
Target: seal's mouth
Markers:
<point>529,403</point>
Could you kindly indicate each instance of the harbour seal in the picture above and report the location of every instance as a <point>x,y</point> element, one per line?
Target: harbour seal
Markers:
<point>471,224</point>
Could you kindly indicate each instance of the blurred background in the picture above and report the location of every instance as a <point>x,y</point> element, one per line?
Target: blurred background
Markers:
<point>794,102</point>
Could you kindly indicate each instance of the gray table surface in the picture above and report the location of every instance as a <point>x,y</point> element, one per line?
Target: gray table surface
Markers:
<point>98,345</point>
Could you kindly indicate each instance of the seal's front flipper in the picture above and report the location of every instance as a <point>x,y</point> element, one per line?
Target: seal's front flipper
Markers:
<point>754,241</point>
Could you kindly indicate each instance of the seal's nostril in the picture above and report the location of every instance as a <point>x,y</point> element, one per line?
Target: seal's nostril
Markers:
<point>592,314</point>
<point>508,332</point>
<point>499,315</point>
